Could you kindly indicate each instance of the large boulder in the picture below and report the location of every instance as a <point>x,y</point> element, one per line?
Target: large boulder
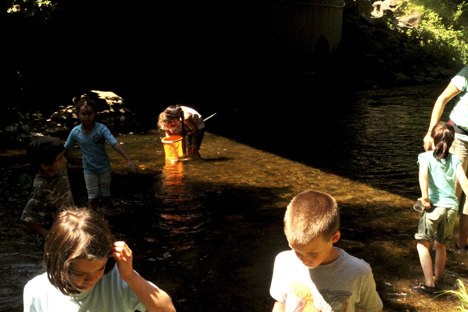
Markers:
<point>111,111</point>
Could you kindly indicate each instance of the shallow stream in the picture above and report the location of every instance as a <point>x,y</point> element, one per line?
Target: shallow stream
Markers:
<point>208,231</point>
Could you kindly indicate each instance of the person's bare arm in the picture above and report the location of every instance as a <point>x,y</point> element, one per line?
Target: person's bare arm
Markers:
<point>424,183</point>
<point>188,120</point>
<point>449,93</point>
<point>462,179</point>
<point>122,152</point>
<point>154,299</point>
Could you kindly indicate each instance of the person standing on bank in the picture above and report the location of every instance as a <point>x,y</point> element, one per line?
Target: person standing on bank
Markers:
<point>193,126</point>
<point>458,86</point>
<point>91,137</point>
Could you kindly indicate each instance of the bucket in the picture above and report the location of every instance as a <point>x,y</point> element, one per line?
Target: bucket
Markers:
<point>173,147</point>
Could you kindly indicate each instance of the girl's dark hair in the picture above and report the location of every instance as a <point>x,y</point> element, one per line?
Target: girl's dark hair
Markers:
<point>78,233</point>
<point>174,112</point>
<point>82,101</point>
<point>44,150</point>
<point>443,135</point>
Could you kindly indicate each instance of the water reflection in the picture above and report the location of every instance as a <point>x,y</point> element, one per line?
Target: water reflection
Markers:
<point>173,178</point>
<point>182,214</point>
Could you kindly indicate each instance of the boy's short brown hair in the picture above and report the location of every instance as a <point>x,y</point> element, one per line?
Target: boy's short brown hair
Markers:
<point>309,215</point>
<point>44,150</point>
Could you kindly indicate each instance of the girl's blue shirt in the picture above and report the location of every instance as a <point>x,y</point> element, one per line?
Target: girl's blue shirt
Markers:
<point>92,146</point>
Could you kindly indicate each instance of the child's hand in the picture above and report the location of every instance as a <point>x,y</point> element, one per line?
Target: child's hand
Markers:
<point>426,202</point>
<point>132,166</point>
<point>123,256</point>
<point>428,141</point>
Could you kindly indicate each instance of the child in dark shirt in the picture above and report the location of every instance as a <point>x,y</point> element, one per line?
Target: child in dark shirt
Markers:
<point>51,188</point>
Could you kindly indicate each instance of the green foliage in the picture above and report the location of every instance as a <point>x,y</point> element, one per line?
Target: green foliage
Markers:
<point>460,294</point>
<point>41,9</point>
<point>443,31</point>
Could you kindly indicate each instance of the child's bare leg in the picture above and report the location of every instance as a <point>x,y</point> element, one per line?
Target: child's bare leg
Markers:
<point>462,230</point>
<point>426,262</point>
<point>193,152</point>
<point>440,260</point>
<point>184,146</point>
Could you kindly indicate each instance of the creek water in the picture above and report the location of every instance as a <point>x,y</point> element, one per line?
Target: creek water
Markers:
<point>207,231</point>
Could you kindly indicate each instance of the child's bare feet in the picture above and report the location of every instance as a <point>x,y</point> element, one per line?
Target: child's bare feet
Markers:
<point>423,289</point>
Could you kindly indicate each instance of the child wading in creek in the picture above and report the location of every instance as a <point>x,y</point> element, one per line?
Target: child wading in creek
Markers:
<point>186,122</point>
<point>438,171</point>
<point>91,137</point>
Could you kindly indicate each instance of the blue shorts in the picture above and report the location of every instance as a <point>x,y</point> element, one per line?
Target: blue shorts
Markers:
<point>97,184</point>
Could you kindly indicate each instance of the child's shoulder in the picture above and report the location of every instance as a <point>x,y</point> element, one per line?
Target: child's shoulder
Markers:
<point>455,157</point>
<point>37,281</point>
<point>356,263</point>
<point>99,126</point>
<point>75,128</point>
<point>286,257</point>
<point>426,155</point>
<point>288,260</point>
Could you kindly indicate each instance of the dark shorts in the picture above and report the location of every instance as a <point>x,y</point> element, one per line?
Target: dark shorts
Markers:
<point>195,140</point>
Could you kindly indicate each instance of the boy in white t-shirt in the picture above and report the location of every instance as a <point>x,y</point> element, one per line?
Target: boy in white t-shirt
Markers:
<point>344,282</point>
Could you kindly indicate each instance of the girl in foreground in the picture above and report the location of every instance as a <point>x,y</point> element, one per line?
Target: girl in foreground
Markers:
<point>81,275</point>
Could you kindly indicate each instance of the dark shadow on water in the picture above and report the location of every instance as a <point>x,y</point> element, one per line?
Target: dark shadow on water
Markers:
<point>211,246</point>
<point>294,117</point>
<point>206,244</point>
